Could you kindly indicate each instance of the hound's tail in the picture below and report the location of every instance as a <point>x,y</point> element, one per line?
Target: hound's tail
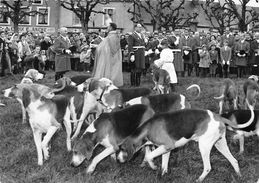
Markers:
<point>2,105</point>
<point>198,90</point>
<point>249,122</point>
<point>220,97</point>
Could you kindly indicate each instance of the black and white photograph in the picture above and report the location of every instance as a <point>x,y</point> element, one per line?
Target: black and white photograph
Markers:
<point>129,91</point>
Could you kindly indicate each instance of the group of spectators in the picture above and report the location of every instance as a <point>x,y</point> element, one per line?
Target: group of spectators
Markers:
<point>200,53</point>
<point>208,54</point>
<point>20,52</point>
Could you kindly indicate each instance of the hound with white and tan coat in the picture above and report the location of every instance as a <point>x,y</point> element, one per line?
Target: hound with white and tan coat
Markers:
<point>177,128</point>
<point>30,76</point>
<point>45,115</point>
<point>251,91</point>
<point>229,95</point>
<point>109,130</point>
<point>240,117</point>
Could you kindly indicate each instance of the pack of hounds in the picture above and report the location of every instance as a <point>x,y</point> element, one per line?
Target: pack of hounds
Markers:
<point>126,120</point>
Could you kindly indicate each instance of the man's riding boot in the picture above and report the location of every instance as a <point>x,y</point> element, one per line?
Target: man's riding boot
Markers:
<point>132,78</point>
<point>138,77</point>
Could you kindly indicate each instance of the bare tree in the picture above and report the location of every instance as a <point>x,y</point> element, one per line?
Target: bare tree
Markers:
<point>163,13</point>
<point>244,14</point>
<point>82,9</point>
<point>17,11</point>
<point>219,17</point>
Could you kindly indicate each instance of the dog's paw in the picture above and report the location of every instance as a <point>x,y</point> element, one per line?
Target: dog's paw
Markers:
<point>143,164</point>
<point>152,165</point>
<point>90,169</point>
<point>164,171</point>
<point>45,152</point>
<point>40,162</point>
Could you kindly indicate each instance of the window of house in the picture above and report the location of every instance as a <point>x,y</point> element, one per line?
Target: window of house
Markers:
<point>26,20</point>
<point>76,20</point>
<point>37,2</point>
<point>3,18</point>
<point>109,15</point>
<point>43,17</point>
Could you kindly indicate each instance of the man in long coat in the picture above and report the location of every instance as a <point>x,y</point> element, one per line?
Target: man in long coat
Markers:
<point>186,47</point>
<point>62,59</point>
<point>136,48</point>
<point>108,57</point>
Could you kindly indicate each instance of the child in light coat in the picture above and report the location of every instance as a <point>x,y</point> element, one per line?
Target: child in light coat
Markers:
<point>85,58</point>
<point>204,61</point>
<point>166,62</point>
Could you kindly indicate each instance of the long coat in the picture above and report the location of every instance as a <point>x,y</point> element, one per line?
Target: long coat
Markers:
<point>108,59</point>
<point>135,40</point>
<point>254,53</point>
<point>62,60</point>
<point>241,61</point>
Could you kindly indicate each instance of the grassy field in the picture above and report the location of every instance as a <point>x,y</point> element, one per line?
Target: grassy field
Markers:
<point>18,157</point>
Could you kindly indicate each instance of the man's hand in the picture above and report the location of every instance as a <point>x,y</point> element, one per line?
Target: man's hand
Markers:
<point>67,51</point>
<point>228,62</point>
<point>223,62</point>
<point>132,58</point>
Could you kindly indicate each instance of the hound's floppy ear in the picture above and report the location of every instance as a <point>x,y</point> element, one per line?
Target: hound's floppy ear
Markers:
<point>26,97</point>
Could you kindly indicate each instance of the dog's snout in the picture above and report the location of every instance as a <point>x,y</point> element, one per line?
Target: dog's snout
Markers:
<point>3,91</point>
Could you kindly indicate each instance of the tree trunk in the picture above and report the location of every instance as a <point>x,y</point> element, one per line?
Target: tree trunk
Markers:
<point>242,26</point>
<point>84,26</point>
<point>16,27</point>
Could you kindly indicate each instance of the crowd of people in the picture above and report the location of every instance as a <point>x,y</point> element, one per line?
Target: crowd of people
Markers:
<point>107,53</point>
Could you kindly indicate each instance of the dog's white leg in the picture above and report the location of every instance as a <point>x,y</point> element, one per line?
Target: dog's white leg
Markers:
<point>241,144</point>
<point>235,103</point>
<point>37,139</point>
<point>220,107</point>
<point>73,113</point>
<point>51,131</point>
<point>147,151</point>
<point>68,127</point>
<point>165,160</point>
<point>205,146</point>
<point>106,152</point>
<point>157,152</point>
<point>88,106</point>
<point>222,147</point>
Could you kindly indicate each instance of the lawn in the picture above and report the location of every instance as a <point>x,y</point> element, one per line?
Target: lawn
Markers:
<point>18,157</point>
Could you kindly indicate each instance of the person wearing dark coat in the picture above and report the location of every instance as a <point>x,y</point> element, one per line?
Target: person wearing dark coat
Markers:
<point>136,49</point>
<point>186,48</point>
<point>62,59</point>
<point>254,50</point>
<point>3,60</point>
<point>241,49</point>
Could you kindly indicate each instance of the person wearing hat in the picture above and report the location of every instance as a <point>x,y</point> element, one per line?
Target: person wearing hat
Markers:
<point>255,54</point>
<point>214,59</point>
<point>3,61</point>
<point>62,59</point>
<point>204,60</point>
<point>136,50</point>
<point>241,49</point>
<point>165,62</point>
<point>226,56</point>
<point>85,58</point>
<point>186,48</point>
<point>108,57</point>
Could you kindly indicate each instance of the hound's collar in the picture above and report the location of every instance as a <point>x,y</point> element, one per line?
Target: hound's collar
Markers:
<point>28,78</point>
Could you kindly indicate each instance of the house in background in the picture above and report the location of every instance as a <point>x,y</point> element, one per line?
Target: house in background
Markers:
<point>48,21</point>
